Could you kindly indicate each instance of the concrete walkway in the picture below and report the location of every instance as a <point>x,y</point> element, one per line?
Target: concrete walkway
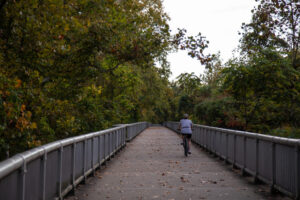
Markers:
<point>153,166</point>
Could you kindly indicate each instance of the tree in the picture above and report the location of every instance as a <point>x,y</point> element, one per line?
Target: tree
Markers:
<point>195,45</point>
<point>265,90</point>
<point>70,67</point>
<point>275,23</point>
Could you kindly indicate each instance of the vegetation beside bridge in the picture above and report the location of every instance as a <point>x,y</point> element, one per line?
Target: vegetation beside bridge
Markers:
<point>72,67</point>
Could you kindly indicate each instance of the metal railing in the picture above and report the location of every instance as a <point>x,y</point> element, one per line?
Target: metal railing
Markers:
<point>270,159</point>
<point>54,169</point>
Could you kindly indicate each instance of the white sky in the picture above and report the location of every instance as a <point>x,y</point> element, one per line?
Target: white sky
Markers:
<point>218,20</point>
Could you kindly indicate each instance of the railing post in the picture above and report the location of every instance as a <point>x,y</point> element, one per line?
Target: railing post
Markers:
<point>226,149</point>
<point>60,154</point>
<point>256,160</point>
<point>44,168</point>
<point>273,181</point>
<point>209,140</point>
<point>214,143</point>
<point>73,166</point>
<point>23,178</point>
<point>113,143</point>
<point>234,151</point>
<point>104,148</point>
<point>244,157</point>
<point>109,146</point>
<point>297,173</point>
<point>99,151</point>
<point>205,138</point>
<point>92,160</point>
<point>84,158</point>
<point>201,137</point>
<point>117,140</point>
<point>121,138</point>
<point>125,135</point>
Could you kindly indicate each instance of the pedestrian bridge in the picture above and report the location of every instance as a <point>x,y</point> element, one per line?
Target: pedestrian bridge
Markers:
<point>153,166</point>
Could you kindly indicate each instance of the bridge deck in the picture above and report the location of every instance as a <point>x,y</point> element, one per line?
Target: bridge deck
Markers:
<point>153,167</point>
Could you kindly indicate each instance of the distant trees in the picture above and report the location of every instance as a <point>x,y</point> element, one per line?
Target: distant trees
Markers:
<point>260,90</point>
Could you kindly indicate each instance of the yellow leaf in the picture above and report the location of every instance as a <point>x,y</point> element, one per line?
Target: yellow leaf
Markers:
<point>23,107</point>
<point>67,28</point>
<point>28,114</point>
<point>33,125</point>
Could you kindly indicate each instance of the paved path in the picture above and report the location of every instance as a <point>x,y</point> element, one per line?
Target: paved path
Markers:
<point>153,166</point>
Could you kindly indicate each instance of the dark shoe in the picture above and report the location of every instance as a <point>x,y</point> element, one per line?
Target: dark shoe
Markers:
<point>189,152</point>
<point>181,143</point>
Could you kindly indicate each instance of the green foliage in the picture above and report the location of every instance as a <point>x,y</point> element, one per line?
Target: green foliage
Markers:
<point>258,94</point>
<point>68,68</point>
<point>212,112</point>
<point>266,90</point>
<point>275,24</point>
<point>72,67</point>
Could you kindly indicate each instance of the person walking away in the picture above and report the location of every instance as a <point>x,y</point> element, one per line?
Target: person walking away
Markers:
<point>185,127</point>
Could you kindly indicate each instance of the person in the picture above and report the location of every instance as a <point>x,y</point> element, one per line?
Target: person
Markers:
<point>185,127</point>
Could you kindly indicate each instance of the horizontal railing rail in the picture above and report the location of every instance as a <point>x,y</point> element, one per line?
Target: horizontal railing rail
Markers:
<point>270,159</point>
<point>52,170</point>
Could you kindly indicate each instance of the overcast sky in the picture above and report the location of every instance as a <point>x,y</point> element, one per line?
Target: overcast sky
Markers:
<point>218,20</point>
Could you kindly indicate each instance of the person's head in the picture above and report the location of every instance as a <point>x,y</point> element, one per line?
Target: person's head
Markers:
<point>185,116</point>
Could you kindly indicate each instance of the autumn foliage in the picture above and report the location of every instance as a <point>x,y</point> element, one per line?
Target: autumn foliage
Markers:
<point>72,67</point>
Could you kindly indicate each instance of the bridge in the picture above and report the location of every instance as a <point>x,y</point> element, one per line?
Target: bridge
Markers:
<point>224,164</point>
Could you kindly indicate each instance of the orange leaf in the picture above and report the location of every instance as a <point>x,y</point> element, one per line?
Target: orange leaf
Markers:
<point>23,107</point>
<point>18,84</point>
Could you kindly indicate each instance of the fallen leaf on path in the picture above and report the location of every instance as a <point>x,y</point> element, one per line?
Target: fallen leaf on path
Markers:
<point>183,179</point>
<point>214,182</point>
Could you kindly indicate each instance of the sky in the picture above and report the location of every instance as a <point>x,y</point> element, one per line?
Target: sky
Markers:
<point>218,20</point>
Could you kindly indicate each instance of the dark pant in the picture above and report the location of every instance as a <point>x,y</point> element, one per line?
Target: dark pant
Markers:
<point>189,136</point>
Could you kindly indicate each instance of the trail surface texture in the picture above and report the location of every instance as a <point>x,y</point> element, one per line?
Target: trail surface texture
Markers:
<point>153,166</point>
